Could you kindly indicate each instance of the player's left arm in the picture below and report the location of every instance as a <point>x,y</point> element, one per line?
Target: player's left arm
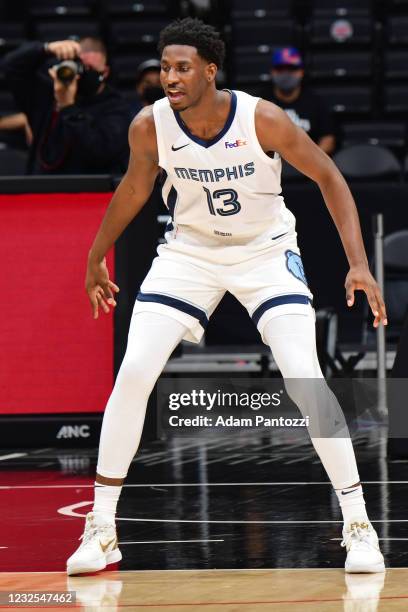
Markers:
<point>276,132</point>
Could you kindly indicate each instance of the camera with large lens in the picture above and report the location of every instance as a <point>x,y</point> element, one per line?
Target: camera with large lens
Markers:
<point>67,70</point>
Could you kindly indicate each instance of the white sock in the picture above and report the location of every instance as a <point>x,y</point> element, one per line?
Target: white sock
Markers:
<point>352,503</point>
<point>106,500</point>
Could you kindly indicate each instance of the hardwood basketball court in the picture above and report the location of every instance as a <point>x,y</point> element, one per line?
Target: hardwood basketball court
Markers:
<point>240,523</point>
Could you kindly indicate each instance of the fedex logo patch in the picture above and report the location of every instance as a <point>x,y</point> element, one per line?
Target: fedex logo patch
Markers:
<point>237,143</point>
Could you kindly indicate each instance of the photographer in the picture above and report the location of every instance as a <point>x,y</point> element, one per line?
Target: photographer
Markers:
<point>79,123</point>
<point>302,105</point>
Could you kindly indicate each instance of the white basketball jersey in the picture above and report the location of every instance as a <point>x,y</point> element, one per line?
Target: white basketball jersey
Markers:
<point>224,190</point>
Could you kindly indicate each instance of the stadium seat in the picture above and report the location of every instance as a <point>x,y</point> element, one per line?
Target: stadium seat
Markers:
<point>346,31</point>
<point>59,30</point>
<point>136,33</point>
<point>396,64</point>
<point>13,162</point>
<point>341,8</point>
<point>396,98</point>
<point>11,35</point>
<point>53,8</point>
<point>123,8</point>
<point>396,280</point>
<point>252,35</point>
<point>251,68</point>
<point>336,65</point>
<point>347,99</point>
<point>395,248</point>
<point>384,133</point>
<point>367,162</point>
<point>397,30</point>
<point>241,9</point>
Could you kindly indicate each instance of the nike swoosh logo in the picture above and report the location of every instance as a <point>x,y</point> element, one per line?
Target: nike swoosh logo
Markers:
<point>347,492</point>
<point>105,546</point>
<point>173,148</point>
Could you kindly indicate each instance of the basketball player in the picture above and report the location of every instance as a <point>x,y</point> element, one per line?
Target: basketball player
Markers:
<point>220,153</point>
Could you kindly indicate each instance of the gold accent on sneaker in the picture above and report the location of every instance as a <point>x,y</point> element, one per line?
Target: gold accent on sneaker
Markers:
<point>357,525</point>
<point>106,546</point>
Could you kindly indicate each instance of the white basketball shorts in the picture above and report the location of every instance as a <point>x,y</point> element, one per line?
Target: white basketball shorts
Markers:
<point>186,282</point>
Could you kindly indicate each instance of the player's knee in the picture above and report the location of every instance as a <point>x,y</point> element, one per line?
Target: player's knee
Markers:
<point>135,376</point>
<point>300,366</point>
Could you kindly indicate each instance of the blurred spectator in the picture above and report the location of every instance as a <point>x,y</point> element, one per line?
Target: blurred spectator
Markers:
<point>79,122</point>
<point>17,125</point>
<point>302,105</point>
<point>148,88</point>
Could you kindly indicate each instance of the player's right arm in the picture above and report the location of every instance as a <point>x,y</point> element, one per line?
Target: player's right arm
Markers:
<point>129,198</point>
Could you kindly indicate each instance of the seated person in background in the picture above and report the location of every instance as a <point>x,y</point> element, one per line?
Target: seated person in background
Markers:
<point>18,130</point>
<point>148,88</point>
<point>79,123</point>
<point>303,106</point>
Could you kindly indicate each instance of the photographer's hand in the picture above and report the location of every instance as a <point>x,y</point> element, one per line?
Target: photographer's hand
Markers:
<point>64,94</point>
<point>64,49</point>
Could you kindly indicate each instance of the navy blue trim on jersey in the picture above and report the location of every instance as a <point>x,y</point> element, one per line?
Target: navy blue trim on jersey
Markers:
<point>209,143</point>
<point>171,201</point>
<point>162,177</point>
<point>294,298</point>
<point>168,300</point>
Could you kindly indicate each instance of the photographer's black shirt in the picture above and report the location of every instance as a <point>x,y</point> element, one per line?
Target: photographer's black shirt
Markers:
<point>88,137</point>
<point>308,112</point>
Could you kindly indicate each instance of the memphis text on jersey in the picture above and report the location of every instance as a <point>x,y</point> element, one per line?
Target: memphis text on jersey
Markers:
<point>215,174</point>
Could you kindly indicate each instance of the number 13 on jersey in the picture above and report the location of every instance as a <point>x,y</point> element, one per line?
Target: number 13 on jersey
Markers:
<point>229,203</point>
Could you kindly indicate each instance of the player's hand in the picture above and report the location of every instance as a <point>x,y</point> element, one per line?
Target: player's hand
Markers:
<point>99,288</point>
<point>64,49</point>
<point>360,278</point>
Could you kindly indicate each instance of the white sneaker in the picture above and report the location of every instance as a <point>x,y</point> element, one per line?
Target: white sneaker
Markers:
<point>99,548</point>
<point>363,551</point>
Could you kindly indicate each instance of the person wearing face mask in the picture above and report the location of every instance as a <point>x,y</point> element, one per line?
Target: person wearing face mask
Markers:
<point>79,122</point>
<point>147,87</point>
<point>302,105</point>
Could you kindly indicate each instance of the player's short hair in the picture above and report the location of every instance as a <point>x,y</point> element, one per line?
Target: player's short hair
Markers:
<point>195,33</point>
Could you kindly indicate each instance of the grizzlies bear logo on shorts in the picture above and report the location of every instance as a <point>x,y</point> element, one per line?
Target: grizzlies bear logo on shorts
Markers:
<point>295,266</point>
